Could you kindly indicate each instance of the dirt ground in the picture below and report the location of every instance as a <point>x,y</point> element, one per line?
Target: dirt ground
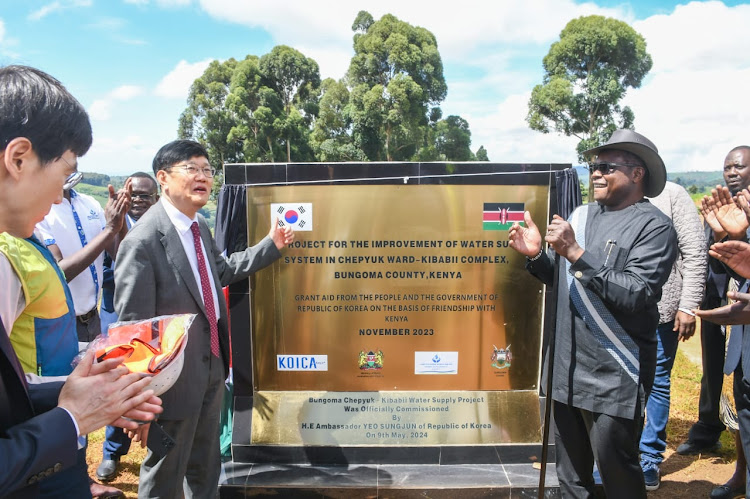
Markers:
<point>691,476</point>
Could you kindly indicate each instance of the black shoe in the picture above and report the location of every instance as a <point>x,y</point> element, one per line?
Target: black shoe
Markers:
<point>107,471</point>
<point>690,448</point>
<point>724,492</point>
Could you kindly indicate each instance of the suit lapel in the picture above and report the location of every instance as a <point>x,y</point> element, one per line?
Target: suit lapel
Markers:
<point>176,254</point>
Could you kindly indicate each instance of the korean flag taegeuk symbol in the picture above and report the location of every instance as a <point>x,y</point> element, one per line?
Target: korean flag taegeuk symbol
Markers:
<point>500,216</point>
<point>298,216</point>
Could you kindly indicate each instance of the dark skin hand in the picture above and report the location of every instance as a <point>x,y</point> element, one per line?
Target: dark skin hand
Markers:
<point>733,254</point>
<point>742,199</point>
<point>684,325</point>
<point>736,313</point>
<point>560,236</point>
<point>724,214</point>
<point>526,240</point>
<point>562,239</point>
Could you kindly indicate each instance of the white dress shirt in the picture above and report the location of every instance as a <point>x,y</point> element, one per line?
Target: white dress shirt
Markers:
<point>182,224</point>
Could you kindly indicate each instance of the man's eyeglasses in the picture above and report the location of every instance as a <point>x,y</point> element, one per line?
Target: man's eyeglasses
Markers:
<point>142,197</point>
<point>72,180</point>
<point>607,167</point>
<point>193,170</point>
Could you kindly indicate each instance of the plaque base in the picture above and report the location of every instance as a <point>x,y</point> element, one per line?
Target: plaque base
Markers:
<point>393,481</point>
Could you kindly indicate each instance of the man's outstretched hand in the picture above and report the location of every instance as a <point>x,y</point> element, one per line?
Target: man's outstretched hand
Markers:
<point>736,313</point>
<point>282,237</point>
<point>526,240</point>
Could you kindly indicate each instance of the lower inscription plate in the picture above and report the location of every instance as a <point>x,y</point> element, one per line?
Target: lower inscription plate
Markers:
<point>396,418</point>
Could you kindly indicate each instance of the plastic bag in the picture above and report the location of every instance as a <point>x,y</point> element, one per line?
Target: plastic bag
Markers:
<point>152,347</point>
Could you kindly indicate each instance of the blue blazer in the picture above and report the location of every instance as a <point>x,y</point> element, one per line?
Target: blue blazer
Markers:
<point>37,439</point>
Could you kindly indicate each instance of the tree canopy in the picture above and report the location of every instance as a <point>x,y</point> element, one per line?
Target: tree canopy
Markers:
<point>275,107</point>
<point>396,74</point>
<point>586,75</point>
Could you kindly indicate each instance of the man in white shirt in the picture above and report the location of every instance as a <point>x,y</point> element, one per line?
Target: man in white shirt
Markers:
<point>77,231</point>
<point>169,263</point>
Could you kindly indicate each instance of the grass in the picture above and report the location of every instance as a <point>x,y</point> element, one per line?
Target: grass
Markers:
<point>130,465</point>
<point>686,386</point>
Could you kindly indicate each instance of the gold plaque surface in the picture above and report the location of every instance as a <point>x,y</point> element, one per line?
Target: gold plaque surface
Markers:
<point>395,418</point>
<point>397,288</point>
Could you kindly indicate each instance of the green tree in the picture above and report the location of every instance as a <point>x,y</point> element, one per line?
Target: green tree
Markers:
<point>206,118</point>
<point>92,178</point>
<point>257,109</point>
<point>396,75</point>
<point>330,136</point>
<point>586,74</point>
<point>254,109</point>
<point>482,154</point>
<point>295,79</point>
<point>453,139</point>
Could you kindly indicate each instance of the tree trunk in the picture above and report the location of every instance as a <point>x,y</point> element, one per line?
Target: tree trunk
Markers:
<point>270,148</point>
<point>387,143</point>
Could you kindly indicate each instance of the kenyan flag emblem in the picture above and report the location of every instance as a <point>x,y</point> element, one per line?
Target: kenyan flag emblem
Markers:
<point>500,216</point>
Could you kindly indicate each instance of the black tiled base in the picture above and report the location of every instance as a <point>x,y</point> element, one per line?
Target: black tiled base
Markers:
<point>385,481</point>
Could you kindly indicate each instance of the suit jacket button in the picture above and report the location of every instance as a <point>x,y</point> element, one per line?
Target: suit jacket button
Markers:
<point>578,274</point>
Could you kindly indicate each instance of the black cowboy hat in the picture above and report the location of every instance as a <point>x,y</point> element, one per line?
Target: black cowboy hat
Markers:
<point>633,142</point>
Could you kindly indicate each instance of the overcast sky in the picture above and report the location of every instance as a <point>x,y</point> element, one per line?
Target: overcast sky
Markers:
<point>131,62</point>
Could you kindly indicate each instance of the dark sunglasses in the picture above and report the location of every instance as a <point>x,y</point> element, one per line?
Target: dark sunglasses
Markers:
<point>607,167</point>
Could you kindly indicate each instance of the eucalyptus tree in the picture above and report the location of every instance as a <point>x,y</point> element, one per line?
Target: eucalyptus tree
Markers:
<point>396,77</point>
<point>586,74</point>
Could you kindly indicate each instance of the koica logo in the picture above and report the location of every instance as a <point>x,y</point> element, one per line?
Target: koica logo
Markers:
<point>302,362</point>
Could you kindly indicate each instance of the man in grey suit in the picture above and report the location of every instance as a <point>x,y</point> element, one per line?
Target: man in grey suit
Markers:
<point>169,264</point>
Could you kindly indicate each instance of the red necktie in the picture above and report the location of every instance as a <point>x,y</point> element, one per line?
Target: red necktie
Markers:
<point>208,299</point>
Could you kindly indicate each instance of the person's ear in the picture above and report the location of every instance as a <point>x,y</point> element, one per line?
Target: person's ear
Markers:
<point>17,155</point>
<point>639,174</point>
<point>161,177</point>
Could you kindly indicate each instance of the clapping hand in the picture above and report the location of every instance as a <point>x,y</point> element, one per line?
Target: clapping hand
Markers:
<point>724,215</point>
<point>562,239</point>
<point>100,394</point>
<point>733,254</point>
<point>117,206</point>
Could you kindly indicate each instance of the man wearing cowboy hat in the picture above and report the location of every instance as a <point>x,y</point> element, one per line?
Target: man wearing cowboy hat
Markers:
<point>614,257</point>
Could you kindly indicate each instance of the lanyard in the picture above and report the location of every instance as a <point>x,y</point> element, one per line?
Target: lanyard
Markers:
<point>81,235</point>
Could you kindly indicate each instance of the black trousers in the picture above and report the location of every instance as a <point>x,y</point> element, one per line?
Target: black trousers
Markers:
<point>581,437</point>
<point>708,428</point>
<point>742,405</point>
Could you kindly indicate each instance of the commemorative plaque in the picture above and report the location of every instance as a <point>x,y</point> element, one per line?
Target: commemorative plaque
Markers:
<point>400,316</point>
